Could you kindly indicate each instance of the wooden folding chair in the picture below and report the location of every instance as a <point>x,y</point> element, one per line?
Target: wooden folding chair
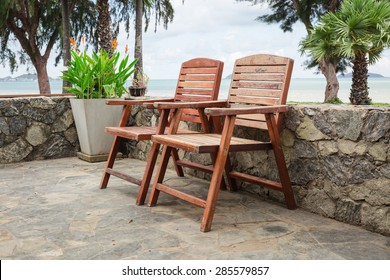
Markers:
<point>256,99</point>
<point>199,80</point>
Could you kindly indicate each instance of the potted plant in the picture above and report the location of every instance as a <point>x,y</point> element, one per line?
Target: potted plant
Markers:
<point>94,78</point>
<point>139,85</point>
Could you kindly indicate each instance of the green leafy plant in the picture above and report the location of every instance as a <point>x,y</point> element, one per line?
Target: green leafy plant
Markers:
<point>98,75</point>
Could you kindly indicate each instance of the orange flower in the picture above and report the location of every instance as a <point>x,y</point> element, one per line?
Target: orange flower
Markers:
<point>114,44</point>
<point>72,42</point>
<point>127,49</point>
<point>82,39</point>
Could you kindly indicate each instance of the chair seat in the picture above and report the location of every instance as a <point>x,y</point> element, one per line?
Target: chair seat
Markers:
<point>139,132</point>
<point>206,143</point>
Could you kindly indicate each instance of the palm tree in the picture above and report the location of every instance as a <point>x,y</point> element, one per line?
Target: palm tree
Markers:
<point>138,73</point>
<point>360,31</point>
<point>123,10</point>
<point>104,27</point>
<point>65,38</point>
<point>287,13</point>
<point>163,10</point>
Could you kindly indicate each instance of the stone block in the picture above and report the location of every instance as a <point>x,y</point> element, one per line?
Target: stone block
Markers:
<point>348,211</point>
<point>350,147</point>
<point>378,151</point>
<point>376,218</point>
<point>71,135</point>
<point>303,171</point>
<point>287,138</point>
<point>308,131</point>
<point>319,202</point>
<point>42,103</point>
<point>327,148</point>
<point>63,122</point>
<point>375,192</point>
<point>304,149</point>
<point>38,133</point>
<point>15,152</point>
<point>347,123</point>
<point>376,125</point>
<point>17,125</point>
<point>4,127</point>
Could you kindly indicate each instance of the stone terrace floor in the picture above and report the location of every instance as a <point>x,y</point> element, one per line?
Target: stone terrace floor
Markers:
<point>54,209</point>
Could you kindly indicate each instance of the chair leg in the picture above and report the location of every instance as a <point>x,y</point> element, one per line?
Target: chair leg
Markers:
<point>110,162</point>
<point>285,179</point>
<point>143,190</point>
<point>162,168</point>
<point>231,182</point>
<point>175,158</point>
<point>219,168</point>
<point>280,162</point>
<point>211,201</point>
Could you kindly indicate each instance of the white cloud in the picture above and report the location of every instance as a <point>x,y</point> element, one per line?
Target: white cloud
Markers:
<point>220,29</point>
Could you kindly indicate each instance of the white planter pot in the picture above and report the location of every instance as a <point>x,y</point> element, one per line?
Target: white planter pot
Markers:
<point>91,117</point>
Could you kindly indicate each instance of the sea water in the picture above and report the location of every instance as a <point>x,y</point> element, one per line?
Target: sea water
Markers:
<point>301,90</point>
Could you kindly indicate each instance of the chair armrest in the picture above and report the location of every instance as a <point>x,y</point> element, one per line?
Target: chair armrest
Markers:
<point>192,105</point>
<point>246,110</point>
<point>135,101</point>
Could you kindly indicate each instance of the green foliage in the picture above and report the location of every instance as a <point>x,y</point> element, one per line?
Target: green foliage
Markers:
<point>288,13</point>
<point>123,11</point>
<point>335,101</point>
<point>360,31</point>
<point>98,75</point>
<point>36,25</point>
<point>360,27</point>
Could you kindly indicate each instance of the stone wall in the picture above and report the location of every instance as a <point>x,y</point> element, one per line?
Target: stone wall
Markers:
<point>338,155</point>
<point>34,128</point>
<point>338,158</point>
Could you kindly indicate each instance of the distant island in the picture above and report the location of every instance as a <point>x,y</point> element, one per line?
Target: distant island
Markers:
<point>22,78</point>
<point>371,75</point>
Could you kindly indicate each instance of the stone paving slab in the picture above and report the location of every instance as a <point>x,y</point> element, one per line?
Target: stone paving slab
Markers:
<point>54,209</point>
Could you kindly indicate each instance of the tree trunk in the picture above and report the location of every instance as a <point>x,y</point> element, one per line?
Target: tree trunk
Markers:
<point>104,28</point>
<point>359,87</point>
<point>328,69</point>
<point>138,69</point>
<point>43,77</point>
<point>65,40</point>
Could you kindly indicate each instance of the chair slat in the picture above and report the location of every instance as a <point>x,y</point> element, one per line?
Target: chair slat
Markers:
<point>199,77</point>
<point>256,85</point>
<point>193,97</point>
<point>259,77</point>
<point>200,70</point>
<point>251,123</point>
<point>195,84</point>
<point>189,91</point>
<point>253,92</point>
<point>259,69</point>
<point>253,100</point>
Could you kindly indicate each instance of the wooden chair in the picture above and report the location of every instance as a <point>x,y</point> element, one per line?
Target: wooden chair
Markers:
<point>256,99</point>
<point>199,80</point>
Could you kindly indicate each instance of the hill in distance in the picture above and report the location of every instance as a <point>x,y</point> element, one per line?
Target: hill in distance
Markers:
<point>370,75</point>
<point>22,78</point>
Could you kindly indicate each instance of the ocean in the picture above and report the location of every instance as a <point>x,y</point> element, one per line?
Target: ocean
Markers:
<point>301,90</point>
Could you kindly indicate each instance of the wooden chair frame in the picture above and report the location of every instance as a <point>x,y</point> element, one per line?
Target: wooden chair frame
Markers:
<point>199,80</point>
<point>260,81</point>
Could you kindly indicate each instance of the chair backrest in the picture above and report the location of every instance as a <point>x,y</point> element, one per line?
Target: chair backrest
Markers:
<point>199,80</point>
<point>260,79</point>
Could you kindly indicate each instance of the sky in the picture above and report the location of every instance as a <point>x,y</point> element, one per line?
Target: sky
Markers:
<point>218,29</point>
